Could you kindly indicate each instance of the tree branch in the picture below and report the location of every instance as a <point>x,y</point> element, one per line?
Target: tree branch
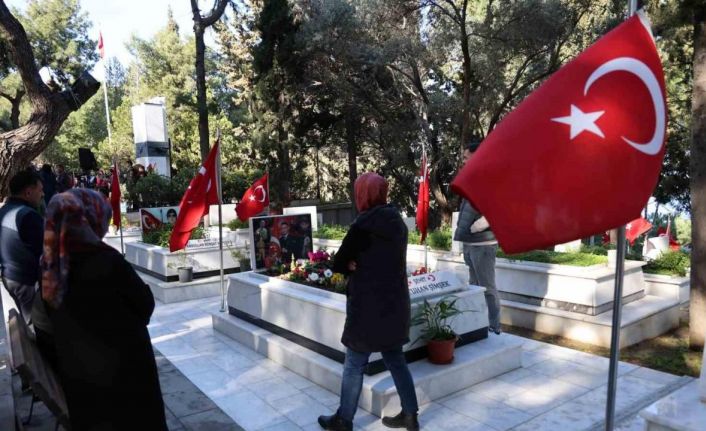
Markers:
<point>216,12</point>
<point>21,54</point>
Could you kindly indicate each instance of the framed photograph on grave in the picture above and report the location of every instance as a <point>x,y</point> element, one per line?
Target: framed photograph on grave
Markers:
<point>153,218</point>
<point>277,240</point>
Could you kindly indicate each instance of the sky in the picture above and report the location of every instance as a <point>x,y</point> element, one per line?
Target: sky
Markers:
<point>119,19</point>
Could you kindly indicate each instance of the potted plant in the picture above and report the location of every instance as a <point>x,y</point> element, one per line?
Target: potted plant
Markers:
<point>243,258</point>
<point>436,328</point>
<point>186,273</point>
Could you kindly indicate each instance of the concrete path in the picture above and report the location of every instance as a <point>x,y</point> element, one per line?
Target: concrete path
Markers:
<point>556,388</point>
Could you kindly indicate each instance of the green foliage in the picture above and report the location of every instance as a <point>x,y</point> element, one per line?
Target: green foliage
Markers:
<point>435,319</point>
<point>598,250</point>
<point>161,235</point>
<point>669,263</point>
<point>546,256</point>
<point>237,224</point>
<point>414,237</point>
<point>440,239</point>
<point>328,231</point>
<point>683,226</point>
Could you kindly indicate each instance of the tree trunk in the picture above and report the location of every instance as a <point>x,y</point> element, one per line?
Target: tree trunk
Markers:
<point>49,109</point>
<point>352,150</point>
<point>285,168</point>
<point>15,103</point>
<point>697,307</point>
<point>201,23</point>
<point>201,92</point>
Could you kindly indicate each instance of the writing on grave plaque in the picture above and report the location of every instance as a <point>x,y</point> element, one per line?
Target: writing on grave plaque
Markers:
<point>438,283</point>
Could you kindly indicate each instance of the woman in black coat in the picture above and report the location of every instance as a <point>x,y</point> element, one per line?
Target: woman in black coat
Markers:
<point>374,255</point>
<point>100,310</point>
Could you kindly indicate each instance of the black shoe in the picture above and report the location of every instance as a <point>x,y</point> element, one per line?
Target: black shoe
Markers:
<point>335,423</point>
<point>402,420</point>
<point>496,331</point>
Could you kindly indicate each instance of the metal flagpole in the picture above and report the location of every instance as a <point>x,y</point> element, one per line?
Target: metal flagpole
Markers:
<point>617,308</point>
<point>220,217</point>
<point>120,219</point>
<point>424,178</point>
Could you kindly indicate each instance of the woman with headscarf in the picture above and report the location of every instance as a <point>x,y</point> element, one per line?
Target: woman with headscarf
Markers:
<point>100,310</point>
<point>374,256</point>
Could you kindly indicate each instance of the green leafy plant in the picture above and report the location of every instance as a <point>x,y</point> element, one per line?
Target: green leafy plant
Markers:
<point>669,263</point>
<point>435,319</point>
<point>331,231</point>
<point>440,239</point>
<point>237,224</point>
<point>161,235</point>
<point>547,256</point>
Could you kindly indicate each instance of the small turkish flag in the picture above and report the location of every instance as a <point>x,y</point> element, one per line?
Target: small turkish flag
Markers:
<point>115,195</point>
<point>582,153</point>
<point>101,48</point>
<point>423,201</point>
<point>202,192</point>
<point>636,228</point>
<point>255,199</point>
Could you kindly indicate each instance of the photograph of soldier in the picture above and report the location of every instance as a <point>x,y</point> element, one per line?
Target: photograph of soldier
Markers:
<point>279,240</point>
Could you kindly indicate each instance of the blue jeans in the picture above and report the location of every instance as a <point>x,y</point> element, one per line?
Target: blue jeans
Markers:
<point>352,382</point>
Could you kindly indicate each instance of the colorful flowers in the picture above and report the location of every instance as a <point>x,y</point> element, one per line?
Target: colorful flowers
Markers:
<point>420,271</point>
<point>317,272</point>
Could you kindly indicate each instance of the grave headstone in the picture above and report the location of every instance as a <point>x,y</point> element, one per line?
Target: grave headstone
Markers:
<point>439,283</point>
<point>569,247</point>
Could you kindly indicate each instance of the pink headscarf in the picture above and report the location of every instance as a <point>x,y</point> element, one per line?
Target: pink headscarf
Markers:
<point>370,191</point>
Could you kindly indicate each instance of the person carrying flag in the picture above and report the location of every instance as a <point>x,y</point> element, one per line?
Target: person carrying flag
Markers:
<point>479,249</point>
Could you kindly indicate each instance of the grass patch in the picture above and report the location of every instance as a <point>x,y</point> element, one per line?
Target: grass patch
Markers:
<point>161,235</point>
<point>668,352</point>
<point>546,256</point>
<point>673,263</point>
<point>331,231</point>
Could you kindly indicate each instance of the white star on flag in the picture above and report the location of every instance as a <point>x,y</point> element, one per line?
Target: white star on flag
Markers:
<point>580,121</point>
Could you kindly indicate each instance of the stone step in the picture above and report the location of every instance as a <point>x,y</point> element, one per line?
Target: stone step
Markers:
<point>643,319</point>
<point>474,363</point>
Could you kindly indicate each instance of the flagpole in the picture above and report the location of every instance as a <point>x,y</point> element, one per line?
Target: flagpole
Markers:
<point>617,308</point>
<point>424,178</point>
<point>220,216</point>
<point>120,220</point>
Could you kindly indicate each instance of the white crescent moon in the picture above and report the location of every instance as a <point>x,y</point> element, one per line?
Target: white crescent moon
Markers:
<point>264,194</point>
<point>639,69</point>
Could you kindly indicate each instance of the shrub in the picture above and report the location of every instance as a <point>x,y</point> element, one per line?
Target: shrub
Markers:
<point>669,263</point>
<point>414,237</point>
<point>546,256</point>
<point>440,239</point>
<point>160,236</point>
<point>331,231</point>
<point>237,224</point>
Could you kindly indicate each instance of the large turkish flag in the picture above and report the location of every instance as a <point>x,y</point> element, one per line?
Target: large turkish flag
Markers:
<point>202,192</point>
<point>423,201</point>
<point>582,153</point>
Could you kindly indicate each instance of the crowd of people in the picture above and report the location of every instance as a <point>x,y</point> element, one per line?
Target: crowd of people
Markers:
<point>89,309</point>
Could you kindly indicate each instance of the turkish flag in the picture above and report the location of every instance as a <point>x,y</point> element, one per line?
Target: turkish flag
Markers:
<point>202,192</point>
<point>582,153</point>
<point>255,199</point>
<point>115,195</point>
<point>636,228</point>
<point>101,48</point>
<point>423,200</point>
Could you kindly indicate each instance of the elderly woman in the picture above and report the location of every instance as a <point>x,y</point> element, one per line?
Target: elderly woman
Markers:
<point>373,255</point>
<point>100,309</point>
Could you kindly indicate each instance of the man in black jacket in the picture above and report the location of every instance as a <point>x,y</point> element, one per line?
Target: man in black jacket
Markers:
<point>479,249</point>
<point>21,238</point>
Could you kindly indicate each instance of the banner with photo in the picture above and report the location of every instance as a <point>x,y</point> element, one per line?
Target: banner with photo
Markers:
<point>277,240</point>
<point>152,219</point>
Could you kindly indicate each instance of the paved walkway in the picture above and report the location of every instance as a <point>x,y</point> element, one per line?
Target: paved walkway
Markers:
<point>556,388</point>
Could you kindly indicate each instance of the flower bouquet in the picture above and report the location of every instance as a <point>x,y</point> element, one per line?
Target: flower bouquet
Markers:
<point>317,271</point>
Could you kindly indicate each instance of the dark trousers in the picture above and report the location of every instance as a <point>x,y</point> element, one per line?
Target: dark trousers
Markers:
<point>23,294</point>
<point>352,383</point>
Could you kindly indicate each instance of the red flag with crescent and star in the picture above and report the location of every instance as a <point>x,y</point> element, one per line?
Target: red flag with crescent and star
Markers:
<point>101,47</point>
<point>202,192</point>
<point>636,228</point>
<point>115,195</point>
<point>255,200</point>
<point>582,153</point>
<point>423,201</point>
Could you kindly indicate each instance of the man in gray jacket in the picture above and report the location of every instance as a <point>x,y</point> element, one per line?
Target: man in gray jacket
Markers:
<point>479,249</point>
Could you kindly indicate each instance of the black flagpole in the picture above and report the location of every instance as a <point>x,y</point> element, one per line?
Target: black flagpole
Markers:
<point>617,309</point>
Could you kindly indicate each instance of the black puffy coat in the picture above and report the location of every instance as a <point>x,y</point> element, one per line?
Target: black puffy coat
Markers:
<point>378,306</point>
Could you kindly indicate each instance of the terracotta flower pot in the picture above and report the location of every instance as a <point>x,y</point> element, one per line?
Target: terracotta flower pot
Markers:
<point>441,351</point>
